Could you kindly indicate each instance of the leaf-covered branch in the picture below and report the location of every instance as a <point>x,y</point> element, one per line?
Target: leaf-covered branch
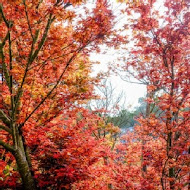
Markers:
<point>3,16</point>
<point>6,129</point>
<point>4,67</point>
<point>7,146</point>
<point>5,119</point>
<point>27,17</point>
<point>32,56</point>
<point>49,93</point>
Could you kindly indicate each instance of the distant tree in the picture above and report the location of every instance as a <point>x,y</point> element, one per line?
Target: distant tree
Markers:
<point>124,119</point>
<point>108,102</point>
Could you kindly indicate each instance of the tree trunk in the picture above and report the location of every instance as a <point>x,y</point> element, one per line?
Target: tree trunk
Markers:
<point>189,173</point>
<point>171,175</point>
<point>24,170</point>
<point>172,169</point>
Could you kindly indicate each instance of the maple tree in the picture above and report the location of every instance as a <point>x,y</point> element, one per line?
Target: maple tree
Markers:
<point>44,53</point>
<point>160,59</point>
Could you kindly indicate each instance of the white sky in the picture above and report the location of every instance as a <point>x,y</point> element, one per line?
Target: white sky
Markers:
<point>132,91</point>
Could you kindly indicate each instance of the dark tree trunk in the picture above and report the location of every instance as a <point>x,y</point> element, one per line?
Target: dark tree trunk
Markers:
<point>24,170</point>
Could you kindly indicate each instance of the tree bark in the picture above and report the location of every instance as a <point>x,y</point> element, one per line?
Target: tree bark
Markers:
<point>24,169</point>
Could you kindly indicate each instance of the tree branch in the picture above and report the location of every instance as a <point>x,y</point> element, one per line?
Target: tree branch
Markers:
<point>3,16</point>
<point>49,93</point>
<point>4,67</point>
<point>7,146</point>
<point>27,18</point>
<point>50,20</point>
<point>32,57</point>
<point>5,119</point>
<point>55,86</point>
<point>6,129</point>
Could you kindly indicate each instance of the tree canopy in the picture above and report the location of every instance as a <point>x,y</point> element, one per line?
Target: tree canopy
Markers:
<point>49,139</point>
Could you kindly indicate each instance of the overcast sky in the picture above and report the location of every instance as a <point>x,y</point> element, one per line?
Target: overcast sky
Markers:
<point>132,91</point>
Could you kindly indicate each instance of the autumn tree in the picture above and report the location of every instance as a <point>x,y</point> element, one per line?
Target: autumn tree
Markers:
<point>161,58</point>
<point>44,47</point>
